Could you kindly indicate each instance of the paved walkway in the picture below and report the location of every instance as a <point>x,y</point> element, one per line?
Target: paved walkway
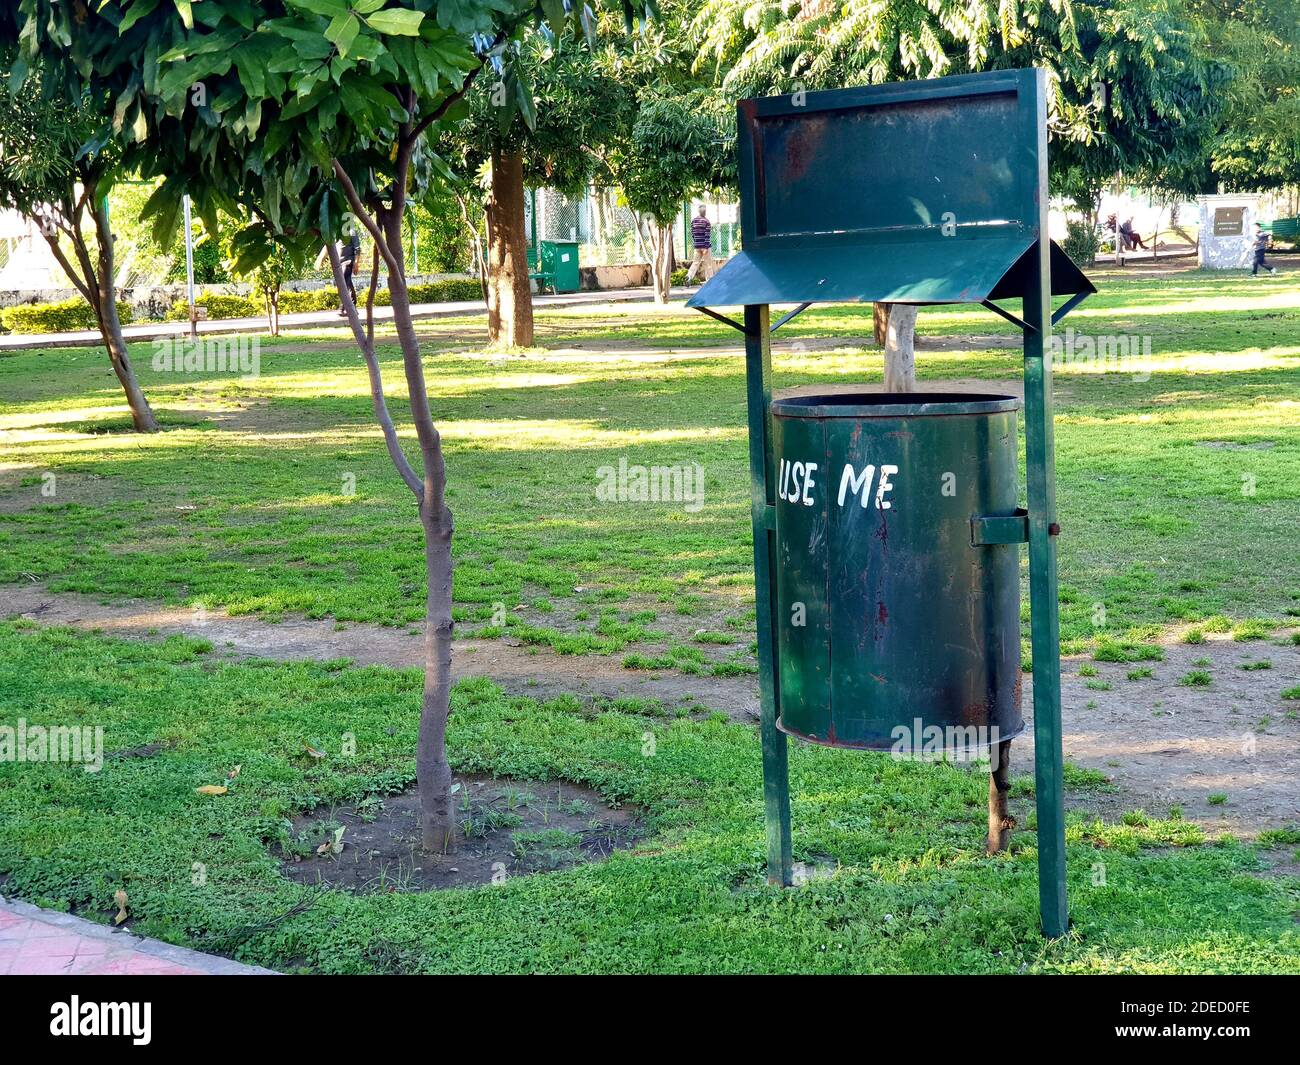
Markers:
<point>317,319</point>
<point>42,942</point>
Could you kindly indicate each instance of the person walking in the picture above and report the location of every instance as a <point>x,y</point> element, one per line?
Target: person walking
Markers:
<point>1261,246</point>
<point>348,256</point>
<point>702,244</point>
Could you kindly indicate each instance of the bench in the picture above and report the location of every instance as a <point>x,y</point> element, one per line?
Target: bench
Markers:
<point>1287,229</point>
<point>544,278</point>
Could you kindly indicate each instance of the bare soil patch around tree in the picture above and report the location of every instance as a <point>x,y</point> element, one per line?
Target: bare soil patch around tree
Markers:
<point>506,828</point>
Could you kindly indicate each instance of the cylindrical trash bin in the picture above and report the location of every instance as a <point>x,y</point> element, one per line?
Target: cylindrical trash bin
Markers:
<point>897,628</point>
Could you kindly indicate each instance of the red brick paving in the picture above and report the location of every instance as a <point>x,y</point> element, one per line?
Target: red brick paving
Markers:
<point>43,942</point>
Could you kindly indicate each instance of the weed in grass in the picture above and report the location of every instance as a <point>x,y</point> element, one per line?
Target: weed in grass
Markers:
<point>1086,670</point>
<point>1216,799</point>
<point>1263,663</point>
<point>1279,837</point>
<point>1141,673</point>
<point>1291,693</point>
<point>1194,636</point>
<point>1197,678</point>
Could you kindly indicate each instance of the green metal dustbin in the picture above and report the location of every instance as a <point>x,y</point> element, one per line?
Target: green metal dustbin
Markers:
<point>897,570</point>
<point>560,260</point>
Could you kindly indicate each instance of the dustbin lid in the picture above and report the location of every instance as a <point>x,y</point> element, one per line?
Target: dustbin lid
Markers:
<point>891,404</point>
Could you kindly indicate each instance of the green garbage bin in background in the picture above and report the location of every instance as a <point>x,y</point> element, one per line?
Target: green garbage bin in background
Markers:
<point>560,261</point>
<point>897,570</point>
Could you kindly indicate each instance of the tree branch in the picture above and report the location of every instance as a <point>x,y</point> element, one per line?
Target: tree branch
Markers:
<point>80,285</point>
<point>370,297</point>
<point>413,481</point>
<point>359,209</point>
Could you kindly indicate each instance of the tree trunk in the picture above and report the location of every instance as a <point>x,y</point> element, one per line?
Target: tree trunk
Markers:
<point>509,299</point>
<point>900,354</point>
<point>879,322</point>
<point>99,290</point>
<point>660,246</point>
<point>1000,820</point>
<point>110,328</point>
<point>432,770</point>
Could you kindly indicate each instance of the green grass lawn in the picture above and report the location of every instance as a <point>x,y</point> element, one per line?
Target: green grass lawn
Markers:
<point>1177,494</point>
<point>1178,506</point>
<point>912,891</point>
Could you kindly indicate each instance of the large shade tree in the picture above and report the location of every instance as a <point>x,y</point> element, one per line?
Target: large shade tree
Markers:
<point>1257,142</point>
<point>313,116</point>
<point>60,154</point>
<point>1133,88</point>
<point>541,122</point>
<point>675,134</point>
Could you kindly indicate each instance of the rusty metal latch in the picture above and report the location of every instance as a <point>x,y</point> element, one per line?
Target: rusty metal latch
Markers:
<point>1000,529</point>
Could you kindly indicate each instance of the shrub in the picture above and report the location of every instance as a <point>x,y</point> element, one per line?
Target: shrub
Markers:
<point>221,305</point>
<point>316,299</point>
<point>218,305</point>
<point>449,289</point>
<point>1081,243</point>
<point>66,317</point>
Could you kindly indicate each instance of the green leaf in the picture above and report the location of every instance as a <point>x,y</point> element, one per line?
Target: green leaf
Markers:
<point>138,11</point>
<point>343,31</point>
<point>524,99</point>
<point>555,16</point>
<point>396,22</point>
<point>328,8</point>
<point>186,13</point>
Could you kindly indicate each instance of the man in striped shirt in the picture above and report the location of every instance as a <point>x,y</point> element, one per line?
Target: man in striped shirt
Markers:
<point>702,243</point>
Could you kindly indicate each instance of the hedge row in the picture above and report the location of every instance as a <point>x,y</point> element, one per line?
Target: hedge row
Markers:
<point>69,316</point>
<point>220,305</point>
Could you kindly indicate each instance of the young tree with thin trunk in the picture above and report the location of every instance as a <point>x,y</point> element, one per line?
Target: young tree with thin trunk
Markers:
<point>312,115</point>
<point>674,147</point>
<point>58,160</point>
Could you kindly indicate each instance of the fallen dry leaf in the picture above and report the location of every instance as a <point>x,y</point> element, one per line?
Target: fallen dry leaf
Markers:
<point>211,789</point>
<point>119,896</point>
<point>335,845</point>
<point>313,751</point>
<point>234,772</point>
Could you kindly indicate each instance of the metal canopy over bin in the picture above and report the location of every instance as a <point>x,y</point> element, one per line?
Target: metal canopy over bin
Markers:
<point>925,192</point>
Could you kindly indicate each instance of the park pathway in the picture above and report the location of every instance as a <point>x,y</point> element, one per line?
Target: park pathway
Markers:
<point>36,942</point>
<point>317,319</point>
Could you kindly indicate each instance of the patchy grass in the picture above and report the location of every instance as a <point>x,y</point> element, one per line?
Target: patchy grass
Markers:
<point>274,495</point>
<point>909,888</point>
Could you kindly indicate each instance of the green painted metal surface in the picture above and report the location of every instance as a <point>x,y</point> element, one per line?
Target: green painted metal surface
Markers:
<point>960,269</point>
<point>559,262</point>
<point>925,192</point>
<point>776,784</point>
<point>895,631</point>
